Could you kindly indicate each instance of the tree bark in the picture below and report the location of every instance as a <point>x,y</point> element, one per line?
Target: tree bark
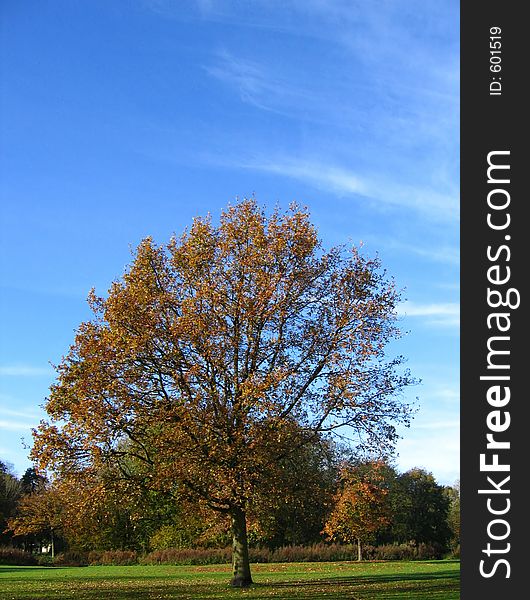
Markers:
<point>241,576</point>
<point>359,553</point>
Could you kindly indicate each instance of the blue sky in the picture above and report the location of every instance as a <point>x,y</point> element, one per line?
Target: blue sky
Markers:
<point>125,119</point>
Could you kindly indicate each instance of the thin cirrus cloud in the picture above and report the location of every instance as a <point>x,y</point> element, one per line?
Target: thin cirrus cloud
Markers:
<point>22,418</point>
<point>273,89</point>
<point>427,203</point>
<point>447,394</point>
<point>443,253</point>
<point>25,371</point>
<point>255,85</point>
<point>446,254</point>
<point>414,116</point>
<point>15,425</point>
<point>393,52</point>
<point>444,313</point>
<point>439,425</point>
<point>408,113</point>
<point>20,412</point>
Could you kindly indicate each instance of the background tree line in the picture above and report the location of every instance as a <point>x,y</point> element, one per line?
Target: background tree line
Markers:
<point>327,498</point>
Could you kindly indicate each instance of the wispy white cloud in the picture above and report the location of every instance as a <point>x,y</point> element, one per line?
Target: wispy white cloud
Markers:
<point>27,414</point>
<point>404,54</point>
<point>69,290</point>
<point>25,371</point>
<point>437,253</point>
<point>388,98</point>
<point>15,425</point>
<point>19,419</point>
<point>438,425</point>
<point>443,313</point>
<point>406,113</point>
<point>446,394</point>
<point>258,85</point>
<point>331,177</point>
<point>381,192</point>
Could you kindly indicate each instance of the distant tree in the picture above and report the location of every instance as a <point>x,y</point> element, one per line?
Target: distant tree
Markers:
<point>295,510</point>
<point>419,509</point>
<point>98,515</point>
<point>361,506</point>
<point>453,514</point>
<point>32,481</point>
<point>223,353</point>
<point>39,514</point>
<point>10,491</point>
<point>103,511</point>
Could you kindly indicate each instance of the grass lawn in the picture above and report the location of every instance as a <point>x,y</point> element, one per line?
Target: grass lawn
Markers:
<point>426,580</point>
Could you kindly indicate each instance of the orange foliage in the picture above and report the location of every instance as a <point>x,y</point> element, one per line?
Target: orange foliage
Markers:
<point>360,506</point>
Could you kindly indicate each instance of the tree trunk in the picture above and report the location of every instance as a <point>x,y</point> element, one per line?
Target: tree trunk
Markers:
<point>240,562</point>
<point>359,553</point>
<point>53,544</point>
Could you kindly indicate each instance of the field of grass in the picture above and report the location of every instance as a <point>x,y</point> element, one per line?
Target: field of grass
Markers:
<point>426,580</point>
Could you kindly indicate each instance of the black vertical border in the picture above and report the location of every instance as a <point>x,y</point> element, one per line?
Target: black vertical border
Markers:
<point>491,123</point>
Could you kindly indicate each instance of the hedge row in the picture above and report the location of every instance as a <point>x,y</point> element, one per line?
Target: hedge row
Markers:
<point>202,556</point>
<point>290,554</point>
<point>14,556</point>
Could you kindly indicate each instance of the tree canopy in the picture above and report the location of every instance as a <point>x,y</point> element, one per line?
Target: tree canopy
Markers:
<point>218,355</point>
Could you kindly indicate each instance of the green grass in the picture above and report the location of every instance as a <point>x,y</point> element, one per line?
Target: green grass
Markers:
<point>426,580</point>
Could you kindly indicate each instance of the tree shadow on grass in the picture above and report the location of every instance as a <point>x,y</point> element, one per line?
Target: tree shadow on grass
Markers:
<point>375,579</point>
<point>442,585</point>
<point>413,586</point>
<point>326,591</point>
<point>9,569</point>
<point>20,569</point>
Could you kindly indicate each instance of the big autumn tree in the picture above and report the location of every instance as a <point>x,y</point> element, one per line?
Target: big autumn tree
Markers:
<point>216,356</point>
